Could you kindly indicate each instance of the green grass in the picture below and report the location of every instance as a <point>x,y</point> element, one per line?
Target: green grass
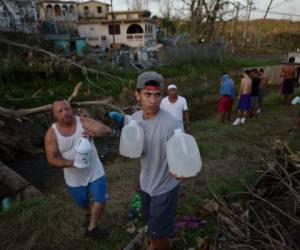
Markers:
<point>20,82</point>
<point>52,223</point>
<point>228,154</point>
<point>232,156</point>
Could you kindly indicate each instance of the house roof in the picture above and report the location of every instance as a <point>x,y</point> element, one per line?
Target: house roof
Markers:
<point>59,1</point>
<point>128,12</point>
<point>94,1</point>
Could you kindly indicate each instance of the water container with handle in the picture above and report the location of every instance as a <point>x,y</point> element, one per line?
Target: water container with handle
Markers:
<point>132,140</point>
<point>83,153</point>
<point>296,100</point>
<point>183,155</point>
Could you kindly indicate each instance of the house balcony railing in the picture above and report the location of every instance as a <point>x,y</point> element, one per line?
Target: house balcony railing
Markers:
<point>135,36</point>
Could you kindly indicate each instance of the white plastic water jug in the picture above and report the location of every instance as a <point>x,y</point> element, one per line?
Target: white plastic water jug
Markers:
<point>83,153</point>
<point>132,140</point>
<point>296,100</point>
<point>183,155</point>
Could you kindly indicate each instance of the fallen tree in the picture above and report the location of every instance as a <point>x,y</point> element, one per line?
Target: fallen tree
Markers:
<point>17,184</point>
<point>17,114</point>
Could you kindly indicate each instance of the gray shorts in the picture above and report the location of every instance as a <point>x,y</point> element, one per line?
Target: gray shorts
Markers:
<point>261,94</point>
<point>159,212</point>
<point>254,100</point>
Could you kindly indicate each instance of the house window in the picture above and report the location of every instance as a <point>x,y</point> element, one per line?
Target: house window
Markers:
<point>49,10</point>
<point>72,9</point>
<point>57,10</point>
<point>64,10</point>
<point>114,29</point>
<point>99,9</point>
<point>86,10</point>
<point>135,28</point>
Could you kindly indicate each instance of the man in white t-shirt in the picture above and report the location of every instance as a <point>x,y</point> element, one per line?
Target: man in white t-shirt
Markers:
<point>177,106</point>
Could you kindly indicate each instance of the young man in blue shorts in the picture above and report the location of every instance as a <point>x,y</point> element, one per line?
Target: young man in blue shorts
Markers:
<point>159,188</point>
<point>244,105</point>
<point>60,141</point>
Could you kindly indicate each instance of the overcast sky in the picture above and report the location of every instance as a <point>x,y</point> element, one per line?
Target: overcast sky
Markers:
<point>280,8</point>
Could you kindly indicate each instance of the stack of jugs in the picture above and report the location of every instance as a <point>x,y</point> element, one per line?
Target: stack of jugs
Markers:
<point>132,140</point>
<point>183,155</point>
<point>83,153</point>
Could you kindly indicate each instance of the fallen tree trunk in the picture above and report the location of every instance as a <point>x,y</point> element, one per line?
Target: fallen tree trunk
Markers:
<point>16,114</point>
<point>17,184</point>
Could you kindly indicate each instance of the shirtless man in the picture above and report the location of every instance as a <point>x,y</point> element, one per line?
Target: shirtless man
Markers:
<point>244,98</point>
<point>289,74</point>
<point>60,141</point>
<point>262,89</point>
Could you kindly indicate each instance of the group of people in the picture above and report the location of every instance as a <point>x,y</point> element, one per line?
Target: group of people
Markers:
<point>250,97</point>
<point>252,91</point>
<point>159,117</point>
<point>159,188</point>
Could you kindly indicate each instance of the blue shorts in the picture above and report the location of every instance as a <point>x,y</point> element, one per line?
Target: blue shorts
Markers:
<point>98,189</point>
<point>159,212</point>
<point>245,102</point>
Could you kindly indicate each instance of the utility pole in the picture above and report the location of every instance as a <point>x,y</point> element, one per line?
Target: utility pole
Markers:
<point>246,22</point>
<point>112,21</point>
<point>236,27</point>
<point>267,11</point>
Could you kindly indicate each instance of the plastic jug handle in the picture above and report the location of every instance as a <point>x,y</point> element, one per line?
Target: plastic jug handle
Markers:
<point>139,132</point>
<point>185,151</point>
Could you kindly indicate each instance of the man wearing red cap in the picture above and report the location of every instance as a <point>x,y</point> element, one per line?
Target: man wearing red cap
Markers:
<point>159,188</point>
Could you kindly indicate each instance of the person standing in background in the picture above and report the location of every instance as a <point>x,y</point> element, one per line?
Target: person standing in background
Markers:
<point>177,106</point>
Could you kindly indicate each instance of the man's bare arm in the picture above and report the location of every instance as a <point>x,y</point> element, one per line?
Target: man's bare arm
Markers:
<point>94,128</point>
<point>241,88</point>
<point>186,116</point>
<point>53,156</point>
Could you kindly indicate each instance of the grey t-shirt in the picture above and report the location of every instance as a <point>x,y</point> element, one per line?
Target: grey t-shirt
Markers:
<point>155,178</point>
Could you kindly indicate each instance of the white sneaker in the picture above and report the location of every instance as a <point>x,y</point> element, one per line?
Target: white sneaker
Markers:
<point>258,111</point>
<point>243,120</point>
<point>237,121</point>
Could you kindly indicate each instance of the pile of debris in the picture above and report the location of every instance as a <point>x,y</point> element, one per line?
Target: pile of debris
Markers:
<point>268,215</point>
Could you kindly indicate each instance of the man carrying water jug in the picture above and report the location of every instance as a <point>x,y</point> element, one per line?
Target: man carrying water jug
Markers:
<point>159,188</point>
<point>60,142</point>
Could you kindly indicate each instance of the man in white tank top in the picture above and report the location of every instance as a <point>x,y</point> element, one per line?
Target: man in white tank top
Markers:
<point>177,106</point>
<point>60,141</point>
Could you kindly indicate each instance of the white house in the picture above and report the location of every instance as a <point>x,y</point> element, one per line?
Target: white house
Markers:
<point>132,28</point>
<point>58,17</point>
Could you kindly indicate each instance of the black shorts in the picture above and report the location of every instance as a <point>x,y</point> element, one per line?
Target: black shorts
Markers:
<point>288,86</point>
<point>159,212</point>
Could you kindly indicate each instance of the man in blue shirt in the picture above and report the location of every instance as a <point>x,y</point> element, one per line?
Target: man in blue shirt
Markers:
<point>227,92</point>
<point>117,121</point>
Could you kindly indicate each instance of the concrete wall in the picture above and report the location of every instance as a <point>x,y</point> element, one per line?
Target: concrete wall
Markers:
<point>296,55</point>
<point>273,73</point>
<point>191,53</point>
